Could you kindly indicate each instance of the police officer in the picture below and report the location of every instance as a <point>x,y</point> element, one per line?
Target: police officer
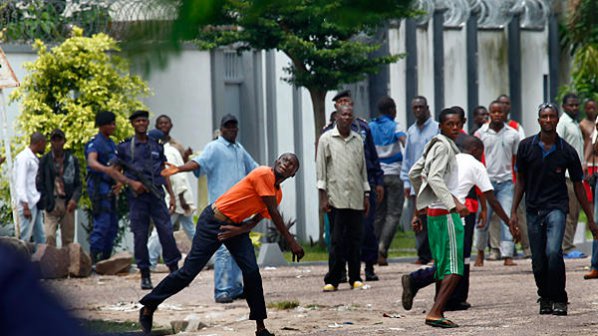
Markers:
<point>142,159</point>
<point>102,187</point>
<point>369,247</point>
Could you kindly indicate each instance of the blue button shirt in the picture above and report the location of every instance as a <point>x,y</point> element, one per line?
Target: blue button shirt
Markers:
<point>106,149</point>
<point>147,157</point>
<point>225,164</point>
<point>417,138</point>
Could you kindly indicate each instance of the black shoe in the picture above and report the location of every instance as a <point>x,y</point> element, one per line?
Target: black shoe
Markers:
<point>408,292</point>
<point>546,306</point>
<point>224,299</point>
<point>371,277</point>
<point>146,283</point>
<point>263,332</point>
<point>146,317</point>
<point>457,306</point>
<point>560,308</point>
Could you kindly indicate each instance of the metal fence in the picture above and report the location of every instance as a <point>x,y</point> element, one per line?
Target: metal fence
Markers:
<point>22,21</point>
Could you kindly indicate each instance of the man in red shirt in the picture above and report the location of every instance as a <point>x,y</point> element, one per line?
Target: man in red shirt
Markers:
<point>255,197</point>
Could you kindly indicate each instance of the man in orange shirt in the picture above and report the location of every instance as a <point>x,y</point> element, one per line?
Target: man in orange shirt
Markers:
<point>255,197</point>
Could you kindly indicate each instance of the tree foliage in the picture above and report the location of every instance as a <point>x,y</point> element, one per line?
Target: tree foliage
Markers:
<point>581,36</point>
<point>66,86</point>
<point>329,42</point>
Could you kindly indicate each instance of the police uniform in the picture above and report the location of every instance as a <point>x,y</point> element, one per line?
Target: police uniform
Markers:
<point>99,187</point>
<point>148,159</point>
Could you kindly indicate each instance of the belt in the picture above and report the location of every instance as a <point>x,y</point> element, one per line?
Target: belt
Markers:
<point>437,212</point>
<point>220,216</point>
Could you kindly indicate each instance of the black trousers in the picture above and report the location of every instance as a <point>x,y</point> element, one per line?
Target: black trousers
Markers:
<point>346,228</point>
<point>205,244</point>
<point>421,241</point>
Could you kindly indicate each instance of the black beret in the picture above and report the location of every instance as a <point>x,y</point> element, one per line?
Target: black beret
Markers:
<point>342,94</point>
<point>57,133</point>
<point>139,113</point>
<point>104,118</point>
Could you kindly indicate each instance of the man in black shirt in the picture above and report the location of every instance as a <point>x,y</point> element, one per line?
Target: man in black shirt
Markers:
<point>541,163</point>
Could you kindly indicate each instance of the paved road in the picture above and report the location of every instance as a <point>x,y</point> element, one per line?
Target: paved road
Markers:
<point>503,299</point>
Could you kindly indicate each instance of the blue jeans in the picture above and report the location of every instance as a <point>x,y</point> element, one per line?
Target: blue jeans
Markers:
<point>546,229</point>
<point>228,279</point>
<point>504,194</point>
<point>205,244</point>
<point>32,226</point>
<point>153,245</point>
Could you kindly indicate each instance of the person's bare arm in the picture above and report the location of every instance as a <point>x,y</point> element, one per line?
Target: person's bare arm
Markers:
<point>484,212</point>
<point>517,196</point>
<point>296,249</point>
<point>172,169</point>
<point>229,231</point>
<point>94,164</point>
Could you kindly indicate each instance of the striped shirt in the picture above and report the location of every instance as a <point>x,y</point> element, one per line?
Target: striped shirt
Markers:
<point>341,169</point>
<point>387,133</point>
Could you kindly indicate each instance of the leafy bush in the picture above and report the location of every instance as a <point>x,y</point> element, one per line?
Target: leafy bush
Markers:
<point>64,88</point>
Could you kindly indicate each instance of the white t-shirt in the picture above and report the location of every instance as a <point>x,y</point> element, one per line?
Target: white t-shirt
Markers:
<point>471,173</point>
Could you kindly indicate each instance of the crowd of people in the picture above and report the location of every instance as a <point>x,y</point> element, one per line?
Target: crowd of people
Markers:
<point>462,190</point>
<point>489,189</point>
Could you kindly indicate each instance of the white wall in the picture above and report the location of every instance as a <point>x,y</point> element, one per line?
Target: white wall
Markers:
<point>16,61</point>
<point>425,65</point>
<point>396,41</point>
<point>455,68</point>
<point>493,65</point>
<point>534,65</point>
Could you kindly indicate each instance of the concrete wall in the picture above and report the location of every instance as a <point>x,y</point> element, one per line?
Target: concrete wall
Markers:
<point>534,64</point>
<point>455,69</point>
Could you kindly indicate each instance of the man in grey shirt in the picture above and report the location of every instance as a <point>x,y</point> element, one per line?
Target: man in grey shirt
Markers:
<point>568,129</point>
<point>344,193</point>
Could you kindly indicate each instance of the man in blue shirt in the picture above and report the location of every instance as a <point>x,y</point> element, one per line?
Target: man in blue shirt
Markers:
<point>418,135</point>
<point>389,138</point>
<point>142,158</point>
<point>225,162</point>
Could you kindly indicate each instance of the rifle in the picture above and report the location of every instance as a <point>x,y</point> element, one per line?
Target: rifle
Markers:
<point>149,185</point>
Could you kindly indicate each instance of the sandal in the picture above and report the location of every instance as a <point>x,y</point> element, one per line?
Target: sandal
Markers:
<point>441,323</point>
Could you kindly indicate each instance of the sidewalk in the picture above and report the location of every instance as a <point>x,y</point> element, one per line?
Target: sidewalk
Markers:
<point>503,299</point>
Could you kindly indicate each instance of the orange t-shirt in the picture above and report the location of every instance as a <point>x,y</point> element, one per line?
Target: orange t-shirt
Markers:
<point>244,199</point>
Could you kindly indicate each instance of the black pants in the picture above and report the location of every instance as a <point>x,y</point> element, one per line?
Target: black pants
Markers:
<point>205,244</point>
<point>346,228</point>
<point>421,241</point>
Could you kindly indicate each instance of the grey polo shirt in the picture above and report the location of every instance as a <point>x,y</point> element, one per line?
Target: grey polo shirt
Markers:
<point>499,149</point>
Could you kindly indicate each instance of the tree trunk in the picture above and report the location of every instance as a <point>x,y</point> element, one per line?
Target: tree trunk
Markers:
<point>318,102</point>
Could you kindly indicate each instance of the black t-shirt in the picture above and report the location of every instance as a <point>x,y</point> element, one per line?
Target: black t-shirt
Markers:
<point>544,173</point>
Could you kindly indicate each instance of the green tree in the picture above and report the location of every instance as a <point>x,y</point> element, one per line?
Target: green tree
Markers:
<point>329,42</point>
<point>66,86</point>
<point>581,36</point>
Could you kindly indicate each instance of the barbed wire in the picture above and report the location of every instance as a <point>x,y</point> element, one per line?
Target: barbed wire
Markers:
<point>52,20</point>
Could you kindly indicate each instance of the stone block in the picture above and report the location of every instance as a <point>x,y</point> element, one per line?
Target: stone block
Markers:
<point>271,255</point>
<point>53,262</point>
<point>80,262</point>
<point>26,249</point>
<point>118,263</point>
